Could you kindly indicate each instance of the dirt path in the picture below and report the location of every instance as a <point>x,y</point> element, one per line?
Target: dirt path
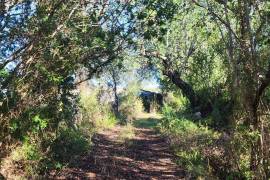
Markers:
<point>146,156</point>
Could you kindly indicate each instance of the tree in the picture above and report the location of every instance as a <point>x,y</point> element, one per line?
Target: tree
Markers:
<point>244,25</point>
<point>182,52</point>
<point>232,34</point>
<point>47,42</point>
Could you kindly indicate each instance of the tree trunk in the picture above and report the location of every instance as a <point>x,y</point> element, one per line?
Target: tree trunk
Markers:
<point>186,88</point>
<point>250,84</point>
<point>116,99</point>
<point>205,108</point>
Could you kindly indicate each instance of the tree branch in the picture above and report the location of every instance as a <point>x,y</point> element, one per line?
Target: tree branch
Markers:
<point>218,17</point>
<point>264,84</point>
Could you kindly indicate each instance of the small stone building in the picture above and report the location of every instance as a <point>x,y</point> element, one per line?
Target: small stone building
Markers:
<point>152,101</point>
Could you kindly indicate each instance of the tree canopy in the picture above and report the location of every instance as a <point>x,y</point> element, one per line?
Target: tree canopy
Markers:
<point>213,53</point>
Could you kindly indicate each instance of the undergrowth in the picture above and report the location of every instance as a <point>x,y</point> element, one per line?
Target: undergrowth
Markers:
<point>35,158</point>
<point>204,151</point>
<point>188,140</point>
<point>127,133</point>
<point>94,112</point>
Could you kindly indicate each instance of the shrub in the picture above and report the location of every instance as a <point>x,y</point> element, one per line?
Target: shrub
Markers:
<point>176,101</point>
<point>37,156</point>
<point>239,152</point>
<point>90,107</point>
<point>189,141</point>
<point>28,157</point>
<point>27,152</point>
<point>205,152</point>
<point>106,123</point>
<point>130,106</point>
<point>95,114</point>
<point>193,161</point>
<point>68,145</point>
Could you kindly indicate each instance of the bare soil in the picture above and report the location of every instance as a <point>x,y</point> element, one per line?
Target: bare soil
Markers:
<point>146,156</point>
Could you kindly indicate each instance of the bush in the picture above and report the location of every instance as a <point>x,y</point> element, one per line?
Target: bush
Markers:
<point>176,101</point>
<point>90,107</point>
<point>68,145</point>
<point>37,156</point>
<point>27,157</point>
<point>95,114</point>
<point>130,106</point>
<point>106,123</point>
<point>188,140</point>
<point>27,152</point>
<point>238,155</point>
<point>206,152</point>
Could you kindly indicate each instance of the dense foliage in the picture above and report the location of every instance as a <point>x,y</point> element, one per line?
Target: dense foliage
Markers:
<point>211,58</point>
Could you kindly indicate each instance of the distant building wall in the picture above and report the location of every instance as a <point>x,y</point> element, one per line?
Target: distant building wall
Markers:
<point>151,100</point>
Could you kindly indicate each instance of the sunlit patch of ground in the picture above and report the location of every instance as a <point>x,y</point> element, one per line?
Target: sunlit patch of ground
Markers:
<point>147,120</point>
<point>147,156</point>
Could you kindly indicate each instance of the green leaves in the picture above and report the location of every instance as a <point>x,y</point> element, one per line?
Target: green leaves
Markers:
<point>4,73</point>
<point>39,123</point>
<point>50,76</point>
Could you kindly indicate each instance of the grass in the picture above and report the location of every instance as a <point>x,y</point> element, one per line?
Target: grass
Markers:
<point>127,133</point>
<point>106,123</point>
<point>190,142</point>
<point>143,120</point>
<point>148,121</point>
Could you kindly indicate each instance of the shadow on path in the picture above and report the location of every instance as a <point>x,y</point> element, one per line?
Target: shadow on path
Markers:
<point>147,156</point>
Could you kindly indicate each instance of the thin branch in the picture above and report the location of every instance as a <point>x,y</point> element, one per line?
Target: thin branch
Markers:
<point>218,17</point>
<point>264,84</point>
<point>62,25</point>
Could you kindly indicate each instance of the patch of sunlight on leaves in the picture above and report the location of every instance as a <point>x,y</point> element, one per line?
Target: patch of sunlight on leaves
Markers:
<point>28,155</point>
<point>26,152</point>
<point>107,123</point>
<point>188,140</point>
<point>192,160</point>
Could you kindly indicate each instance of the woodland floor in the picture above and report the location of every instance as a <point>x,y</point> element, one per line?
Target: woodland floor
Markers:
<point>145,156</point>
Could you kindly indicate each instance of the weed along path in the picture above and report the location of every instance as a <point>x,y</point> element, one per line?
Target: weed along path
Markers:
<point>127,152</point>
